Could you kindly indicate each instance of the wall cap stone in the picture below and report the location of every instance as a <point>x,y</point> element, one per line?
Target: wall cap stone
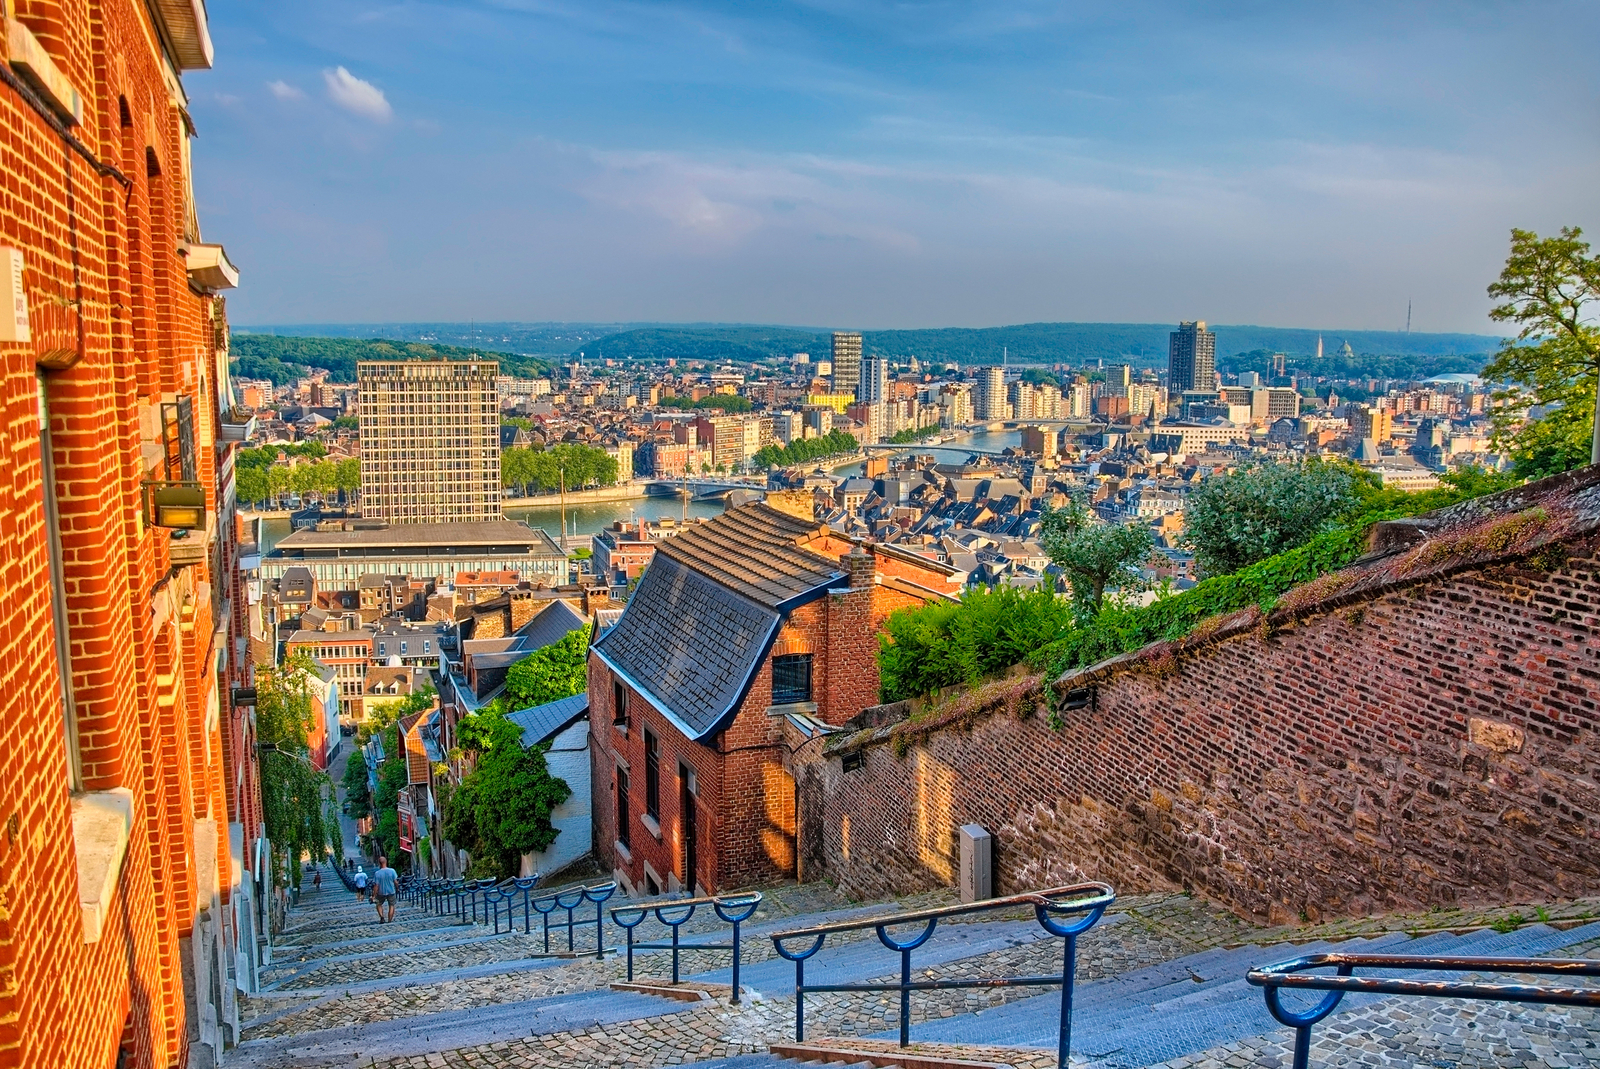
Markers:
<point>101,821</point>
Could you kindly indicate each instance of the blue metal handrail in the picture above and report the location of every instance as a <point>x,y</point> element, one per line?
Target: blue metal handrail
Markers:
<point>569,899</point>
<point>1087,900</point>
<point>732,909</point>
<point>1291,974</point>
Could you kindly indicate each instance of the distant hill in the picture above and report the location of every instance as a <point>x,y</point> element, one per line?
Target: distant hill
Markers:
<point>1379,353</point>
<point>1144,344</point>
<point>285,359</point>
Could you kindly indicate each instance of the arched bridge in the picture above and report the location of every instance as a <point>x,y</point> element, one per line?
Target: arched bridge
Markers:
<point>701,489</point>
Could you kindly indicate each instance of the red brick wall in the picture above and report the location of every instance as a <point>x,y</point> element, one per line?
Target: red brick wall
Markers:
<point>104,281</point>
<point>1433,745</point>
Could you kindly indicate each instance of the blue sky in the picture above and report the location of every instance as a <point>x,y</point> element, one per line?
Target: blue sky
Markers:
<point>881,164</point>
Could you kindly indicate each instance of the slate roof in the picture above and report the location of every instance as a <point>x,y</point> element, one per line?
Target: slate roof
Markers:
<point>755,551</point>
<point>705,613</point>
<point>689,644</point>
<point>543,722</point>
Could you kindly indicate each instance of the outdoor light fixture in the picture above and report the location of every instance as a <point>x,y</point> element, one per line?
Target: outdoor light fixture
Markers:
<point>177,505</point>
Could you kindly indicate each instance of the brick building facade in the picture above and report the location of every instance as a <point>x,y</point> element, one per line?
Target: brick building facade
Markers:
<point>1420,729</point>
<point>744,631</point>
<point>127,794</point>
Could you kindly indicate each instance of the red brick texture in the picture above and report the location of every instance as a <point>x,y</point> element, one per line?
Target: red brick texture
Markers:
<point>107,293</point>
<point>1419,744</point>
<point>745,815</point>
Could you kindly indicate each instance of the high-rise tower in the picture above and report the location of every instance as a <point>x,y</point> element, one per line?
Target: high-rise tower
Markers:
<point>1192,358</point>
<point>430,441</point>
<point>874,385</point>
<point>846,361</point>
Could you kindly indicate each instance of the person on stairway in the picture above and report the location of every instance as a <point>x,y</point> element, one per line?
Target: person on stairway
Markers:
<point>384,889</point>
<point>361,884</point>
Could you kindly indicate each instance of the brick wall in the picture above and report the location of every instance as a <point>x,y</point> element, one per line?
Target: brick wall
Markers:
<point>1427,743</point>
<point>115,319</point>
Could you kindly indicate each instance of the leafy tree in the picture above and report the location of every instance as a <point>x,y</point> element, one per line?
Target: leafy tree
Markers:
<point>914,434</point>
<point>346,423</point>
<point>804,450</point>
<point>725,402</point>
<point>1254,513</point>
<point>251,484</point>
<point>543,470</point>
<point>1094,556</point>
<point>557,671</point>
<point>296,799</point>
<point>1545,286</point>
<point>357,793</point>
<point>502,808</point>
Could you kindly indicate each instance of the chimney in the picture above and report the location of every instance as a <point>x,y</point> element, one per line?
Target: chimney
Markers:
<point>862,566</point>
<point>521,610</point>
<point>595,597</point>
<point>797,503</point>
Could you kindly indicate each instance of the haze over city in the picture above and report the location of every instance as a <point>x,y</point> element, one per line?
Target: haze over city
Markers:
<point>878,165</point>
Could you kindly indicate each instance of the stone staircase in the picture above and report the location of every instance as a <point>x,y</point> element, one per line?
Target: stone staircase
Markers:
<point>1161,983</point>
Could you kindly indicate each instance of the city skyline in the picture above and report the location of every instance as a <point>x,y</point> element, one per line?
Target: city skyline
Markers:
<point>861,165</point>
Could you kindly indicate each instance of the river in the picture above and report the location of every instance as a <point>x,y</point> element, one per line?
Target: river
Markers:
<point>585,519</point>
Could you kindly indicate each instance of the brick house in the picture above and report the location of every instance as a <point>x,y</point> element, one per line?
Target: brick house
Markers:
<point>129,810</point>
<point>756,620</point>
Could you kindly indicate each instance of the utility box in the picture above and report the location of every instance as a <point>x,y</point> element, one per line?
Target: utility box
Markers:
<point>977,863</point>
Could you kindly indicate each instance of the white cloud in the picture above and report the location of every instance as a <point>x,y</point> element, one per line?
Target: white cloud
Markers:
<point>284,91</point>
<point>357,96</point>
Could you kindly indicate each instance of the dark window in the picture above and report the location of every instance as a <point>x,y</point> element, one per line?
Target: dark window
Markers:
<point>689,861</point>
<point>791,678</point>
<point>622,806</point>
<point>619,703</point>
<point>652,776</point>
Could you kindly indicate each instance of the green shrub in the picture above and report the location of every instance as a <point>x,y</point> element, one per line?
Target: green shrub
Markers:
<point>942,643</point>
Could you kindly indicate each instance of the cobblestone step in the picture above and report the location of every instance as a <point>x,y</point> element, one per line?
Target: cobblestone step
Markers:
<point>1151,1017</point>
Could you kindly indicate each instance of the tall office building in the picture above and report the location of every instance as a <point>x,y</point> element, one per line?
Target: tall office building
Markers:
<point>1192,358</point>
<point>990,403</point>
<point>874,385</point>
<point>430,441</point>
<point>846,361</point>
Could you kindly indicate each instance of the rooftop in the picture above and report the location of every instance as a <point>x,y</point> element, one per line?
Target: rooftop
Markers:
<point>758,552</point>
<point>420,537</point>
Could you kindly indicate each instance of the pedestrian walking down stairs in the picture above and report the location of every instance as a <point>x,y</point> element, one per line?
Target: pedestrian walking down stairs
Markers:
<point>1160,983</point>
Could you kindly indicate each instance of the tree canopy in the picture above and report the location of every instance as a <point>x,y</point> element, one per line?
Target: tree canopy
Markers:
<point>296,799</point>
<point>533,470</point>
<point>1095,557</point>
<point>1547,287</point>
<point>804,450</point>
<point>1254,513</point>
<point>502,808</point>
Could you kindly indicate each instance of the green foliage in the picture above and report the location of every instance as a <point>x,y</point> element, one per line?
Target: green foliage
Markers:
<point>1388,362</point>
<point>913,434</point>
<point>805,450</point>
<point>941,644</point>
<point>1554,361</point>
<point>531,471</point>
<point>296,799</point>
<point>346,423</point>
<point>502,808</point>
<point>285,359</point>
<point>1258,512</point>
<point>357,793</point>
<point>1040,376</point>
<point>258,477</point>
<point>582,553</point>
<point>557,671</point>
<point>520,422</point>
<point>1094,556</point>
<point>724,402</point>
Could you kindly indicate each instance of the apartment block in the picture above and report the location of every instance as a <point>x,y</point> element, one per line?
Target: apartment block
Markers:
<point>430,441</point>
<point>1192,358</point>
<point>846,363</point>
